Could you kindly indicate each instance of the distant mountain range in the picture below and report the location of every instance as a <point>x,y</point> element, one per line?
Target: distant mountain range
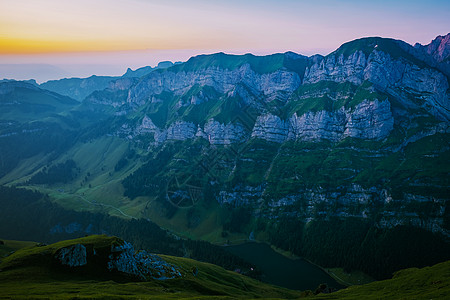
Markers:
<point>353,146</point>
<point>80,88</point>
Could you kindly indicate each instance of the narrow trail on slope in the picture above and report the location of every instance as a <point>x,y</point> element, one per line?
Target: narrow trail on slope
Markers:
<point>101,204</point>
<point>105,205</point>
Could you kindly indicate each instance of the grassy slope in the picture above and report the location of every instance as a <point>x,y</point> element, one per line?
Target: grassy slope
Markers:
<point>25,104</point>
<point>426,283</point>
<point>10,246</point>
<point>96,161</point>
<point>30,273</point>
<point>27,273</point>
<point>348,279</point>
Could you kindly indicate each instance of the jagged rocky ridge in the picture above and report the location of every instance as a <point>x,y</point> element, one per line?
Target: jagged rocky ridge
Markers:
<point>395,77</point>
<point>369,90</point>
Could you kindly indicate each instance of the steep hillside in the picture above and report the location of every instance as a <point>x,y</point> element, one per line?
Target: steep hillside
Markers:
<point>21,101</point>
<point>426,283</point>
<point>33,121</point>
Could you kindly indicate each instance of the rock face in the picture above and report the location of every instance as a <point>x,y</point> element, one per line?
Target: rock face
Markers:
<point>439,48</point>
<point>221,134</point>
<point>74,256</point>
<point>221,80</point>
<point>142,264</point>
<point>122,258</point>
<point>270,128</point>
<point>338,69</point>
<point>387,74</point>
<point>371,120</point>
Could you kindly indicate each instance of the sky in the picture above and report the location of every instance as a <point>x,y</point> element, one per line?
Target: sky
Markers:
<point>51,39</point>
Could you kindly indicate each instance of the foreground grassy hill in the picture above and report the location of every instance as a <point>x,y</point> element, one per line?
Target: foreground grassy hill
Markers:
<point>33,272</point>
<point>425,283</point>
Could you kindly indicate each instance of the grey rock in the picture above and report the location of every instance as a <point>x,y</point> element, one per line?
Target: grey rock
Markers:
<point>221,80</point>
<point>316,202</point>
<point>181,131</point>
<point>223,134</point>
<point>368,120</point>
<point>74,256</point>
<point>142,265</point>
<point>270,128</point>
<point>439,48</point>
<point>394,75</point>
<point>338,69</point>
<point>241,196</point>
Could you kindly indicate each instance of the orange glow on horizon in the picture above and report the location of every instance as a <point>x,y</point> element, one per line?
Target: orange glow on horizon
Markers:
<point>35,46</point>
<point>65,26</point>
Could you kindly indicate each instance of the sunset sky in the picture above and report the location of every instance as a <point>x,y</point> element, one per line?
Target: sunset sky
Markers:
<point>46,39</point>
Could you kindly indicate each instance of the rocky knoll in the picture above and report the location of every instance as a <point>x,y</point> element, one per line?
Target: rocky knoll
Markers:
<point>122,258</point>
<point>143,265</point>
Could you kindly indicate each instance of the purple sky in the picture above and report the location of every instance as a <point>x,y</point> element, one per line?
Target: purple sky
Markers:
<point>50,39</point>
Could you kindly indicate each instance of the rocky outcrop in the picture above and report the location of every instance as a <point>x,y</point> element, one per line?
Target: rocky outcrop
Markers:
<point>317,126</point>
<point>397,76</point>
<point>271,128</point>
<point>222,134</point>
<point>338,69</point>
<point>74,256</point>
<point>357,202</point>
<point>142,265</point>
<point>147,126</point>
<point>216,133</point>
<point>426,86</point>
<point>122,258</point>
<point>241,196</point>
<point>181,131</point>
<point>178,131</point>
<point>439,48</point>
<point>371,120</point>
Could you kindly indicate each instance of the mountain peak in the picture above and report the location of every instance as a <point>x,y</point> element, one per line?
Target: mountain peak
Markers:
<point>439,48</point>
<point>367,45</point>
